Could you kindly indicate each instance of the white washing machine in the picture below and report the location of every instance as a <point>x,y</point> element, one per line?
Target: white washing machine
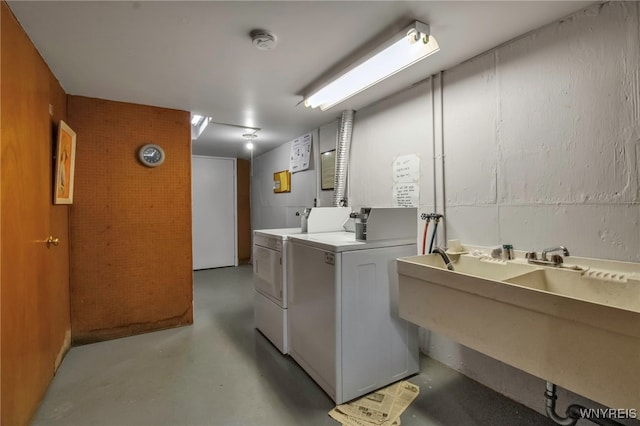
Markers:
<point>270,284</point>
<point>344,327</point>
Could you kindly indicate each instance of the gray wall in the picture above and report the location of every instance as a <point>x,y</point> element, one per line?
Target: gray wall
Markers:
<point>278,210</point>
<point>548,128</point>
<point>541,146</point>
<point>270,210</point>
<point>534,143</point>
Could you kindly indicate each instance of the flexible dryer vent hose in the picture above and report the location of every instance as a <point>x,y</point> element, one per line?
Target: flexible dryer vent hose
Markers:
<point>342,158</point>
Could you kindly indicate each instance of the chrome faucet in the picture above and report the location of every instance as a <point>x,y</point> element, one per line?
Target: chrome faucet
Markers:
<point>555,260</point>
<point>444,256</point>
<point>564,250</point>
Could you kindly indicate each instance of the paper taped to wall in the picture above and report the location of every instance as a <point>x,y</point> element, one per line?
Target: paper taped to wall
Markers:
<point>300,153</point>
<point>406,168</point>
<point>406,194</point>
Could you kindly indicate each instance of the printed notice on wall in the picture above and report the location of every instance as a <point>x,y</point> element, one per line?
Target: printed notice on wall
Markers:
<point>406,178</point>
<point>406,168</point>
<point>300,153</point>
<point>406,194</point>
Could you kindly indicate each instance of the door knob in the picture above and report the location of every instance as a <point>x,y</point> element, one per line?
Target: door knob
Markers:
<point>52,240</point>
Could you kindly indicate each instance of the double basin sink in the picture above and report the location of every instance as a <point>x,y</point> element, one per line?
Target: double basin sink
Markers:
<point>578,328</point>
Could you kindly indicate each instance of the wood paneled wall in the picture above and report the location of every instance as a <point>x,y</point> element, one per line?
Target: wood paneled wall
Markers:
<point>59,223</point>
<point>244,210</point>
<point>34,278</point>
<point>130,225</point>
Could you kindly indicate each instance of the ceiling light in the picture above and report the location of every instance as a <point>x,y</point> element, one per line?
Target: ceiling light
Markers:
<point>250,137</point>
<point>195,119</point>
<point>406,48</point>
<point>198,124</point>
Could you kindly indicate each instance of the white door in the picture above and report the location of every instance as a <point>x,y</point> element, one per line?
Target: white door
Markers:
<point>214,212</point>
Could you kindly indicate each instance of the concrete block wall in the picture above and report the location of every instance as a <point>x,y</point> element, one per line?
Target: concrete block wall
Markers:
<point>548,126</point>
<point>399,125</point>
<point>541,145</point>
<point>548,129</point>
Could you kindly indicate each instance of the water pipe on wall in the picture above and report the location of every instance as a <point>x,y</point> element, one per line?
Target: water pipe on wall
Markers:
<point>436,219</point>
<point>443,208</point>
<point>574,411</point>
<point>427,218</point>
<point>437,135</point>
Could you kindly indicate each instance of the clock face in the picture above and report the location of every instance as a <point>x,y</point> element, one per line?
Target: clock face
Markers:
<point>151,155</point>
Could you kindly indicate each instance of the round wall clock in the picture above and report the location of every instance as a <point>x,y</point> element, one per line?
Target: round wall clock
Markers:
<point>151,155</point>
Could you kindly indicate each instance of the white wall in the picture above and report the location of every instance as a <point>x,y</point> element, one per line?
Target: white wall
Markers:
<point>270,210</point>
<point>548,127</point>
<point>541,144</point>
<point>399,125</point>
<point>278,210</point>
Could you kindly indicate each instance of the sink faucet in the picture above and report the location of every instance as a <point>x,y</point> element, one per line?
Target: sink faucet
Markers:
<point>444,256</point>
<point>564,250</point>
<point>555,260</point>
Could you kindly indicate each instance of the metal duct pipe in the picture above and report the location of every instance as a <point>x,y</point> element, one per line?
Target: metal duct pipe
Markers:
<point>342,158</point>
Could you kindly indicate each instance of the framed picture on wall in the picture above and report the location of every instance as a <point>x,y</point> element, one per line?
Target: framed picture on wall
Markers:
<point>65,161</point>
<point>328,168</point>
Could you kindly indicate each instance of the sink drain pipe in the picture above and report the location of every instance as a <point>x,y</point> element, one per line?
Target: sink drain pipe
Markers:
<point>574,411</point>
<point>342,158</point>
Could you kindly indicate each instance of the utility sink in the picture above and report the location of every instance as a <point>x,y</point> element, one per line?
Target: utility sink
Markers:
<point>615,290</point>
<point>579,329</point>
<point>474,266</point>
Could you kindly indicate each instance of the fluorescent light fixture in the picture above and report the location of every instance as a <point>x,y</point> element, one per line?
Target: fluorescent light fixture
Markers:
<point>406,48</point>
<point>198,124</point>
<point>195,119</point>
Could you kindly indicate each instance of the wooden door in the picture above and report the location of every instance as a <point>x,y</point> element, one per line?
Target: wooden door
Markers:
<point>30,271</point>
<point>214,212</point>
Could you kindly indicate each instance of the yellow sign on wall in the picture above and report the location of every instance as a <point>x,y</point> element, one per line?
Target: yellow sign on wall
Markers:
<point>282,181</point>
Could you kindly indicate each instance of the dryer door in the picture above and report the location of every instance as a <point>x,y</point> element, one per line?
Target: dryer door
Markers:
<point>267,272</point>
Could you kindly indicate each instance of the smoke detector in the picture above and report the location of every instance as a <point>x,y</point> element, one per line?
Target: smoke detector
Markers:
<point>263,40</point>
<point>250,136</point>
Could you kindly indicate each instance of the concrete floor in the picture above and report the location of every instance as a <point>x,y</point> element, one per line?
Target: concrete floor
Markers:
<point>221,371</point>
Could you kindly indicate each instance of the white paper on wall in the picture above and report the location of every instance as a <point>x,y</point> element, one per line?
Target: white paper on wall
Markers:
<point>406,194</point>
<point>406,178</point>
<point>300,153</point>
<point>406,168</point>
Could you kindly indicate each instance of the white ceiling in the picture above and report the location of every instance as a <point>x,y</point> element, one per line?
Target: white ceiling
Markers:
<point>197,56</point>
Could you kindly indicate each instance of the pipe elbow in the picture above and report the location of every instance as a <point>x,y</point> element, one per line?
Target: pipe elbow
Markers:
<point>550,399</point>
<point>564,421</point>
